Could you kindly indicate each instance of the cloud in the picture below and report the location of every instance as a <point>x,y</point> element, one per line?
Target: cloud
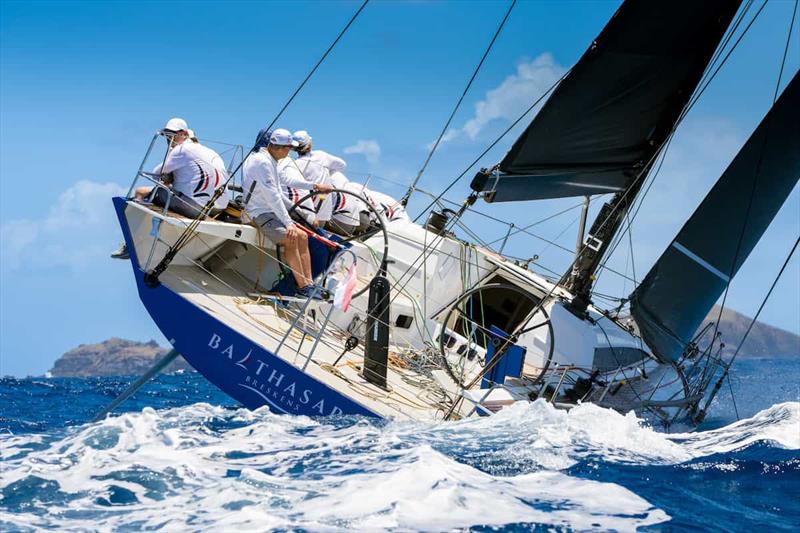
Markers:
<point>78,229</point>
<point>514,95</point>
<point>370,149</point>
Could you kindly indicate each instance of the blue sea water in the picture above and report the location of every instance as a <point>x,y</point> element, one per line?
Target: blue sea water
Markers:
<point>181,456</point>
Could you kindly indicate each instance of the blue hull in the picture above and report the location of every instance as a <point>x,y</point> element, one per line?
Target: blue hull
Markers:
<point>241,369</point>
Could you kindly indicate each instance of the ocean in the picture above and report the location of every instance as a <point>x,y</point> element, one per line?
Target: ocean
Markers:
<point>180,456</point>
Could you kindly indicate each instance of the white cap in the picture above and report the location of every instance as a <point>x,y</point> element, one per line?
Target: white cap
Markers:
<point>302,137</point>
<point>176,124</point>
<point>282,137</point>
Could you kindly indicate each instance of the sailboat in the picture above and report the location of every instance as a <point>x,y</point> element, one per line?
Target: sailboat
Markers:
<point>441,328</point>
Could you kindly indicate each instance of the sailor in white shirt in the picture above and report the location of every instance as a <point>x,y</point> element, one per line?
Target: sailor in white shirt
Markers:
<point>319,166</point>
<point>295,187</point>
<point>266,207</point>
<point>389,207</point>
<point>191,172</point>
<point>337,212</point>
<point>195,173</point>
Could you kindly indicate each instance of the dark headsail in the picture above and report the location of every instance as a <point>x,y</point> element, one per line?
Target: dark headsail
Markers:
<point>692,273</point>
<point>615,108</point>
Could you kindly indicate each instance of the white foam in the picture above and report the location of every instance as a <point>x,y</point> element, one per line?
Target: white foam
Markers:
<point>297,472</point>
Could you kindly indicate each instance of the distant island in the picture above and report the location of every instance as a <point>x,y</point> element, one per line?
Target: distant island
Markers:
<point>118,357</point>
<point>112,357</point>
<point>763,341</point>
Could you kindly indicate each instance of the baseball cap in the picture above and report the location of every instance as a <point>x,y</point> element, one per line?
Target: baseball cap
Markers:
<point>302,137</point>
<point>282,137</point>
<point>176,124</point>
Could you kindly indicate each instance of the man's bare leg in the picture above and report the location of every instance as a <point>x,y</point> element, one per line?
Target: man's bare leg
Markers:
<point>305,259</point>
<point>294,260</point>
<point>141,192</point>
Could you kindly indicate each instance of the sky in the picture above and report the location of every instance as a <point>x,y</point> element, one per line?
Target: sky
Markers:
<point>84,85</point>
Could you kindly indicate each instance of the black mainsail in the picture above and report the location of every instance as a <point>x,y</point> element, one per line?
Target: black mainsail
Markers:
<point>613,111</point>
<point>607,120</point>
<point>678,292</point>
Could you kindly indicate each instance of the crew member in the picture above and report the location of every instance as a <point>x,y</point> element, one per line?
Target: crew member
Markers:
<point>192,171</point>
<point>265,205</point>
<point>391,208</point>
<point>296,188</point>
<point>319,166</point>
<point>191,175</point>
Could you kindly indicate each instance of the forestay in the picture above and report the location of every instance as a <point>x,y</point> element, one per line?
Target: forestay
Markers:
<point>617,105</point>
<point>680,289</point>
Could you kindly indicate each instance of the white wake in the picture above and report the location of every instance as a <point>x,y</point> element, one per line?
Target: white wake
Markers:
<point>176,469</point>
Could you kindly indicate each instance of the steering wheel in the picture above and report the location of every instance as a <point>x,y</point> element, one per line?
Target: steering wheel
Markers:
<point>457,369</point>
<point>378,216</point>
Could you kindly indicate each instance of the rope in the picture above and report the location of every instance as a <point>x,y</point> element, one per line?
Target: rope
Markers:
<point>411,188</point>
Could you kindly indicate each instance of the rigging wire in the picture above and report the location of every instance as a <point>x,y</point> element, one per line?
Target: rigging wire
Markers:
<point>756,176</point>
<point>704,85</point>
<point>726,372</point>
<point>404,200</point>
<point>192,228</point>
<point>492,145</point>
<point>642,174</point>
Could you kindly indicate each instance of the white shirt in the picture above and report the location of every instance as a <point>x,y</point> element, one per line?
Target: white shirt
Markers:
<point>392,209</point>
<point>261,173</point>
<point>319,167</point>
<point>341,207</point>
<point>295,187</point>
<point>198,172</point>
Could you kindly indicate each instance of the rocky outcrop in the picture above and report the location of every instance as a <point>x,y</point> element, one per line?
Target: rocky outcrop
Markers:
<point>763,341</point>
<point>113,357</point>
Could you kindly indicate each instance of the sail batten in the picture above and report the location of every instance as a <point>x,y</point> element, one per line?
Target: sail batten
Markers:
<point>618,104</point>
<point>692,273</point>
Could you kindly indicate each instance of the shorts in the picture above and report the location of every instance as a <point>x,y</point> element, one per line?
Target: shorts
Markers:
<point>270,227</point>
<point>340,227</point>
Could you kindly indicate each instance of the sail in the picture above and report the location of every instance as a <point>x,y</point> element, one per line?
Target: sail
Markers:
<point>676,295</point>
<point>616,106</point>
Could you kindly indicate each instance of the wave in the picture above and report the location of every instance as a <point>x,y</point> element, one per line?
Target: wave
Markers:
<point>203,467</point>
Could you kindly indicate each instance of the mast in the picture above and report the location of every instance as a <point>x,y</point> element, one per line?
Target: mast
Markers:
<point>595,246</point>
<point>582,225</point>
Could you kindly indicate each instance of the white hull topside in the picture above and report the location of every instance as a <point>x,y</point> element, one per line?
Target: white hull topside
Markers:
<point>232,287</point>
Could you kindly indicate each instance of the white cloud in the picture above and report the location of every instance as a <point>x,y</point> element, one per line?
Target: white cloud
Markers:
<point>514,95</point>
<point>370,149</point>
<point>79,229</point>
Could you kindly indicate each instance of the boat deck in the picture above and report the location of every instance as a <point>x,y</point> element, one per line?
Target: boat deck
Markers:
<point>263,320</point>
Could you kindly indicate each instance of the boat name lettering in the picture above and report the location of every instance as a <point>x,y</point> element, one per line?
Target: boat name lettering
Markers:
<point>272,383</point>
